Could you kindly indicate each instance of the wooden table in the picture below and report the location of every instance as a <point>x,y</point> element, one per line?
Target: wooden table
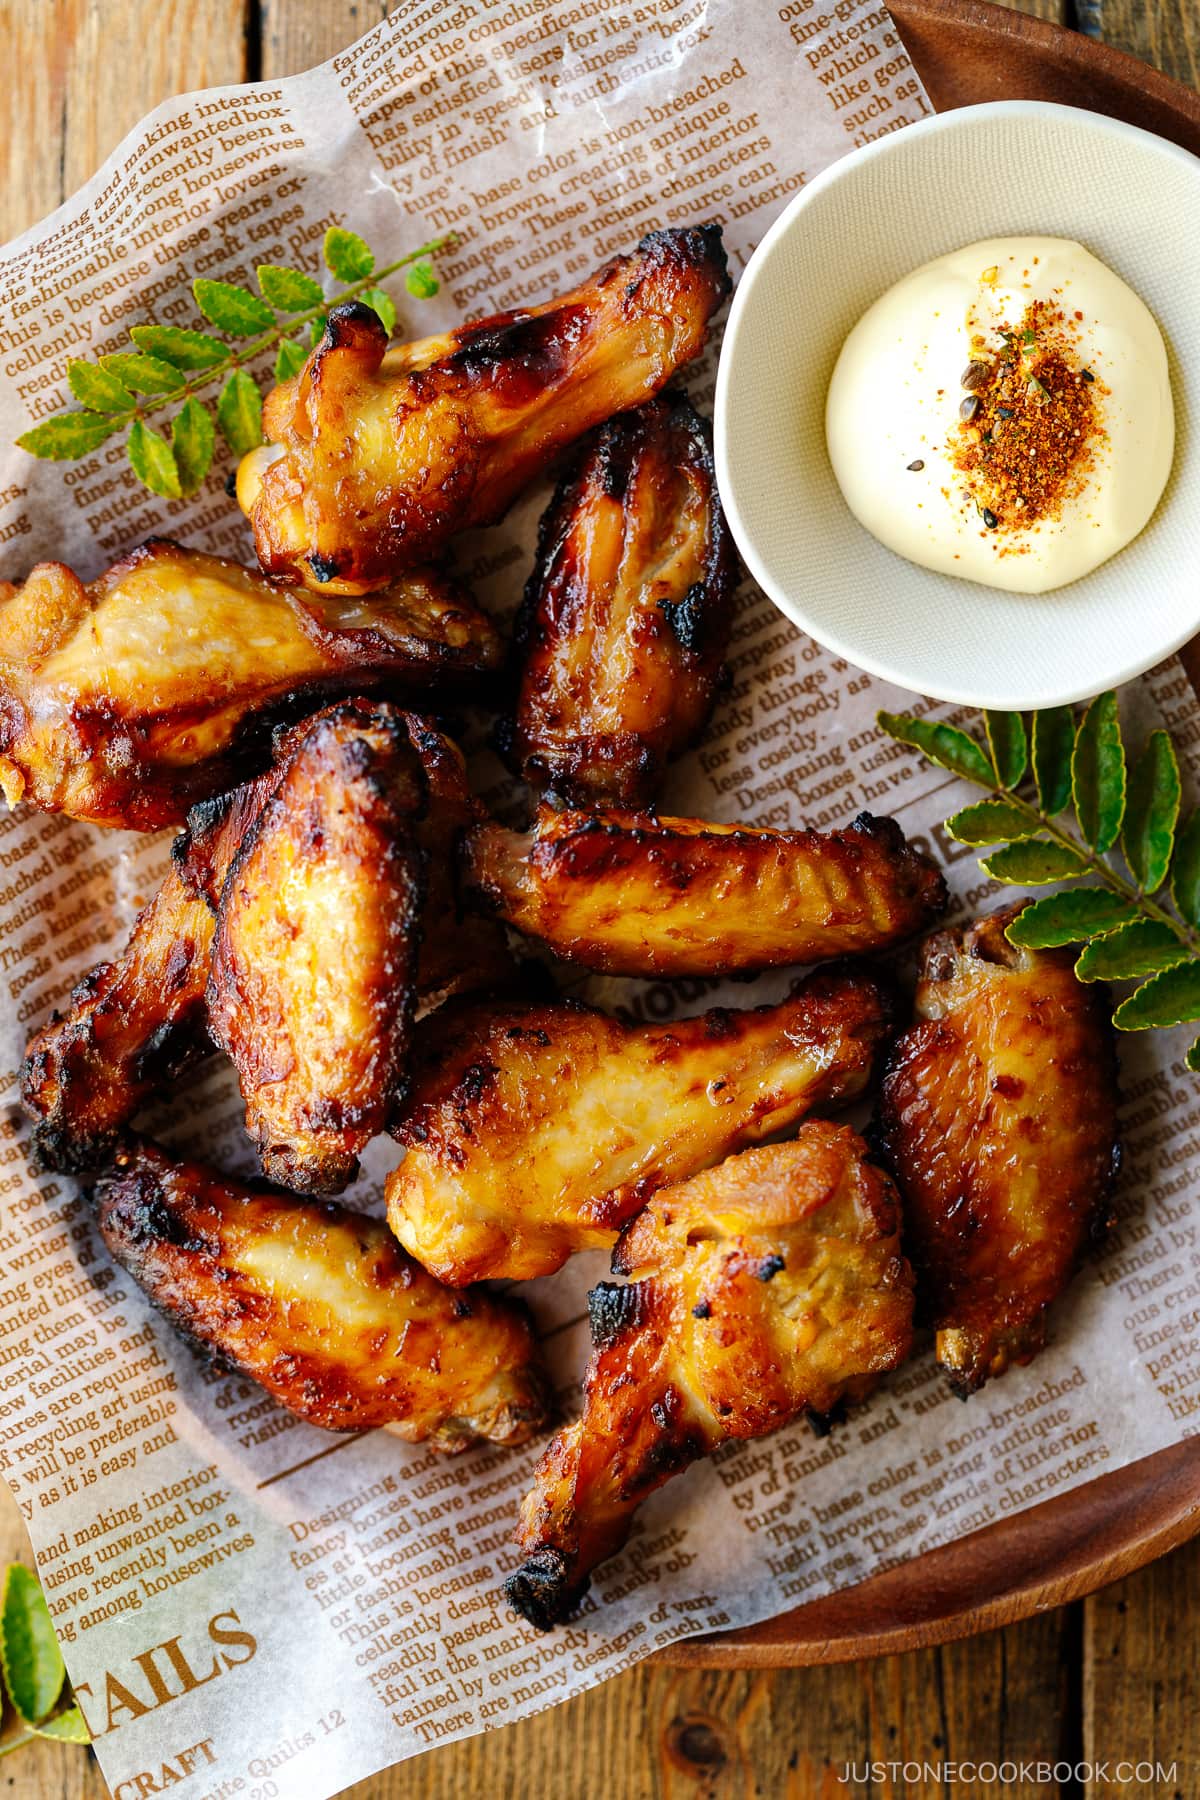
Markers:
<point>1111,1677</point>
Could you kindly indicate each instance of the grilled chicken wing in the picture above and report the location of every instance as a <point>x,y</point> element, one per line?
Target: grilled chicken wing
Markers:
<point>771,1286</point>
<point>626,616</point>
<point>537,1131</point>
<point>125,701</point>
<point>134,1024</point>
<point>380,458</point>
<point>999,1115</point>
<point>311,986</point>
<point>634,894</point>
<point>320,1306</point>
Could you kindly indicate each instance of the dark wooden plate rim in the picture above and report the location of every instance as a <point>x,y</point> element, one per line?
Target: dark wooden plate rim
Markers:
<point>968,51</point>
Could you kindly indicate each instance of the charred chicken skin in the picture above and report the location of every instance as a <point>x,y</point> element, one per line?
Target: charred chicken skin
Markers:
<point>125,701</point>
<point>379,457</point>
<point>999,1115</point>
<point>626,616</point>
<point>771,1286</point>
<point>311,986</point>
<point>320,1306</point>
<point>635,894</point>
<point>533,1132</point>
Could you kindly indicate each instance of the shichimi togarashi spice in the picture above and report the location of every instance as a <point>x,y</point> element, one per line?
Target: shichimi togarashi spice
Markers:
<point>1030,425</point>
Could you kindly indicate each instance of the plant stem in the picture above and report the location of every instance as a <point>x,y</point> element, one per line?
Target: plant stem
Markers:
<point>236,358</point>
<point>18,1743</point>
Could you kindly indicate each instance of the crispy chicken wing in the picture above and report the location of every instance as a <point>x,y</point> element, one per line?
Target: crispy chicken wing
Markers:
<point>537,1131</point>
<point>380,458</point>
<point>125,701</point>
<point>134,1024</point>
<point>999,1113</point>
<point>320,1306</point>
<point>634,894</point>
<point>311,986</point>
<point>626,616</point>
<point>768,1287</point>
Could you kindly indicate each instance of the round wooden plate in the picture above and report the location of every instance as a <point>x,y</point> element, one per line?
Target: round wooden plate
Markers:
<point>968,52</point>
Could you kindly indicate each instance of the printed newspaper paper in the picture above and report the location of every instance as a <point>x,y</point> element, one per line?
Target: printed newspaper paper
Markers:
<point>246,1601</point>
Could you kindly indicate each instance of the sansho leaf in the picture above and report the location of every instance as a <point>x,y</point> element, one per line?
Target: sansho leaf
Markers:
<point>290,358</point>
<point>98,389</point>
<point>1185,878</point>
<point>67,435</point>
<point>1034,863</point>
<point>288,290</point>
<point>1069,918</point>
<point>1053,742</point>
<point>231,308</point>
<point>1192,1059</point>
<point>1142,947</point>
<point>381,303</point>
<point>1007,743</point>
<point>944,745</point>
<point>1151,813</point>
<point>66,1727</point>
<point>153,461</point>
<point>347,255</point>
<point>991,822</point>
<point>1098,773</point>
<point>193,440</point>
<point>183,349</point>
<point>144,374</point>
<point>1170,998</point>
<point>33,1664</point>
<point>239,413</point>
<point>421,281</point>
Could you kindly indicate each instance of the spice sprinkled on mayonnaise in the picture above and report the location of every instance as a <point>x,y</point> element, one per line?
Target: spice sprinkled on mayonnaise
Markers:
<point>1004,413</point>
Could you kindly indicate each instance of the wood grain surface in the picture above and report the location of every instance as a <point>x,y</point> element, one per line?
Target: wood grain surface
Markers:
<point>1112,1677</point>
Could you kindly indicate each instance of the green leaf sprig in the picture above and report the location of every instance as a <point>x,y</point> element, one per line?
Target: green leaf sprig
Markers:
<point>169,364</point>
<point>1128,934</point>
<point>34,1674</point>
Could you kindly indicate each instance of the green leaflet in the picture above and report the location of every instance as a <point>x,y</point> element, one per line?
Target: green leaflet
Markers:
<point>1007,743</point>
<point>1034,863</point>
<point>98,389</point>
<point>144,374</point>
<point>66,1727</point>
<point>382,303</point>
<point>1185,879</point>
<point>67,435</point>
<point>1192,1059</point>
<point>347,256</point>
<point>991,822</point>
<point>942,744</point>
<point>153,461</point>
<point>1151,812</point>
<point>1171,998</point>
<point>1053,742</point>
<point>232,309</point>
<point>1098,773</point>
<point>183,349</point>
<point>290,358</point>
<point>1142,947</point>
<point>32,1660</point>
<point>421,281</point>
<point>193,440</point>
<point>239,413</point>
<point>1069,918</point>
<point>288,290</point>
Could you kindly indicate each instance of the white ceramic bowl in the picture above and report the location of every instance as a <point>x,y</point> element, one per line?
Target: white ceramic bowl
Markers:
<point>985,171</point>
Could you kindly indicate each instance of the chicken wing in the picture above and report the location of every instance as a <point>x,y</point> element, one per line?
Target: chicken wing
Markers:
<point>378,458</point>
<point>311,985</point>
<point>999,1115</point>
<point>320,1306</point>
<point>135,1024</point>
<point>125,701</point>
<point>536,1131</point>
<point>766,1288</point>
<point>635,894</point>
<point>626,616</point>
